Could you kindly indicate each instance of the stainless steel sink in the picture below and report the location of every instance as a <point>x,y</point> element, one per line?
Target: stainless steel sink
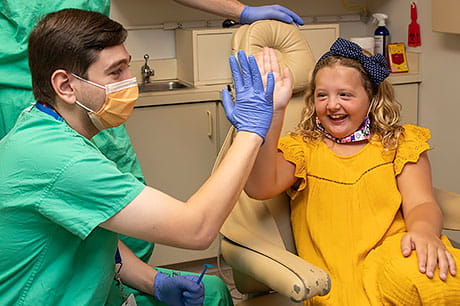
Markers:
<point>162,86</point>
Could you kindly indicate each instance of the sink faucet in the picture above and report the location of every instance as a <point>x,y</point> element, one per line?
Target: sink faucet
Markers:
<point>146,71</point>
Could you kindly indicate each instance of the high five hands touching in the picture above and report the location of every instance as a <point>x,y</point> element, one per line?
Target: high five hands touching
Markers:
<point>253,107</point>
<point>268,62</point>
<point>260,89</point>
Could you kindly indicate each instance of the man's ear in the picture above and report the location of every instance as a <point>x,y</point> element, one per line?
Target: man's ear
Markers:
<point>63,86</point>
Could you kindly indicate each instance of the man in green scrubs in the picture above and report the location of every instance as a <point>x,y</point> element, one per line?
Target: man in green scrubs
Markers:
<point>63,202</point>
<point>17,18</point>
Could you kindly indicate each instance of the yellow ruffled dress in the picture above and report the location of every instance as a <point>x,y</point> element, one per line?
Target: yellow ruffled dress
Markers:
<point>347,220</point>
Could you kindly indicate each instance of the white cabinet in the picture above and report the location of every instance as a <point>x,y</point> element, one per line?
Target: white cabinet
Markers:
<point>407,95</point>
<point>202,54</point>
<point>176,145</point>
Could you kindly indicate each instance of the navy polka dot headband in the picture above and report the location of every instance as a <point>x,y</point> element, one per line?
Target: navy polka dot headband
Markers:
<point>375,66</point>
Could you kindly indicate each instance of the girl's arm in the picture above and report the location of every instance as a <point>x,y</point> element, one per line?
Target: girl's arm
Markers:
<point>423,219</point>
<point>271,173</point>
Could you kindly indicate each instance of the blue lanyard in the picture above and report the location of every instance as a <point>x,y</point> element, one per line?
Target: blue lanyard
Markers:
<point>48,110</point>
<point>117,257</point>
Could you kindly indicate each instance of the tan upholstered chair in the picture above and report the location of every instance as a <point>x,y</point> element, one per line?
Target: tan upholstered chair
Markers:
<point>256,239</point>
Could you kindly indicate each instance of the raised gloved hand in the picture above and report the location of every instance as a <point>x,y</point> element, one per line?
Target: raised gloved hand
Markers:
<point>253,108</point>
<point>278,12</point>
<point>180,290</point>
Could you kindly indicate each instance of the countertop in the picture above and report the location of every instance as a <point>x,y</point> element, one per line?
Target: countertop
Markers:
<point>183,95</point>
<point>213,92</point>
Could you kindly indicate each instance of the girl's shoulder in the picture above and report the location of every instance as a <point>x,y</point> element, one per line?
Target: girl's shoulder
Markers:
<point>414,133</point>
<point>413,143</point>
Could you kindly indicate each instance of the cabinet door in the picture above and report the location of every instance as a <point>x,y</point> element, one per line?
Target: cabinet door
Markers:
<point>407,95</point>
<point>176,146</point>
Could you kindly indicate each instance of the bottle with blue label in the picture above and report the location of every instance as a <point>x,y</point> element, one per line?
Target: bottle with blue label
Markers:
<point>381,35</point>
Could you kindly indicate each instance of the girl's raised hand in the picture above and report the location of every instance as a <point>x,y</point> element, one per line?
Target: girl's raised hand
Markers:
<point>267,61</point>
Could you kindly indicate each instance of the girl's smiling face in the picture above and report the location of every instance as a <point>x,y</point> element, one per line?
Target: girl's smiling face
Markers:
<point>341,101</point>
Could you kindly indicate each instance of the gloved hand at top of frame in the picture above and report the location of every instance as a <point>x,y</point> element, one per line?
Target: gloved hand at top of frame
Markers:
<point>253,107</point>
<point>180,290</point>
<point>277,12</point>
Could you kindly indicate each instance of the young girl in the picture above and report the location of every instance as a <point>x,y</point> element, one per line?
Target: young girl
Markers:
<point>360,187</point>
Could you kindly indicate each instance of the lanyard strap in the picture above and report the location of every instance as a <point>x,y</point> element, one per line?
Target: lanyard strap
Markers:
<point>117,257</point>
<point>48,110</point>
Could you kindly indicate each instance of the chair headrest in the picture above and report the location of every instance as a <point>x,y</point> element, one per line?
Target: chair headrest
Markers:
<point>291,48</point>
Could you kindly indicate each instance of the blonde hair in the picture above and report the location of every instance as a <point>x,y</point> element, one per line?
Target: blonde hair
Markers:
<point>384,113</point>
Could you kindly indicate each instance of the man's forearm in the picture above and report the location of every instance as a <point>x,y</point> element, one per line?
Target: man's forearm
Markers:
<point>225,8</point>
<point>134,272</point>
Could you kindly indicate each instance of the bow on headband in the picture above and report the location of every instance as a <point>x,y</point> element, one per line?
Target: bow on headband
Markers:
<point>375,66</point>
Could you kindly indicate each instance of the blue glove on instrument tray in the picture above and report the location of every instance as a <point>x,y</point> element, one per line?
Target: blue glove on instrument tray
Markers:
<point>277,12</point>
<point>253,108</point>
<point>180,290</point>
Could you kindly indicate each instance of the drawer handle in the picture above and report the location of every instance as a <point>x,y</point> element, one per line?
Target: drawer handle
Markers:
<point>209,123</point>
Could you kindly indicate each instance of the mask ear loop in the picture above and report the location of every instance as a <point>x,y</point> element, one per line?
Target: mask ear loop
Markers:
<point>87,81</point>
<point>84,107</point>
<point>370,106</point>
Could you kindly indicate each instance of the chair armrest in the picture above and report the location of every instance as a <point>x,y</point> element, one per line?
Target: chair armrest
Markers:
<point>449,203</point>
<point>280,270</point>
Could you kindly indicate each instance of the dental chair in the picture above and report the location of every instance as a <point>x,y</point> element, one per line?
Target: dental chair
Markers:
<point>256,239</point>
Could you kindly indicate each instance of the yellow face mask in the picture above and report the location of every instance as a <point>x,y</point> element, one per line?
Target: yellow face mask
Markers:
<point>120,98</point>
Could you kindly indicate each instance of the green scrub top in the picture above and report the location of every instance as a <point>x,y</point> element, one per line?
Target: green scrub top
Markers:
<point>56,189</point>
<point>17,19</point>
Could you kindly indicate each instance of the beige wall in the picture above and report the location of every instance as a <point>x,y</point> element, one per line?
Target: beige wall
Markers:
<point>145,12</point>
<point>439,104</point>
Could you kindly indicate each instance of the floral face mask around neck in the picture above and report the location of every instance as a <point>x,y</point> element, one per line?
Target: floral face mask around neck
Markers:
<point>362,133</point>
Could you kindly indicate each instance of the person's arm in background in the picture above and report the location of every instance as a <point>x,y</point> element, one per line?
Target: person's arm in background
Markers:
<point>244,14</point>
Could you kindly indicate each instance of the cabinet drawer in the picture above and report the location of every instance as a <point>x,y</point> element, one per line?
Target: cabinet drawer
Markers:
<point>202,55</point>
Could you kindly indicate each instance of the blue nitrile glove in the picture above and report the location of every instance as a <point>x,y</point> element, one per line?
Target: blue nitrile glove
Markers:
<point>278,12</point>
<point>253,108</point>
<point>180,290</point>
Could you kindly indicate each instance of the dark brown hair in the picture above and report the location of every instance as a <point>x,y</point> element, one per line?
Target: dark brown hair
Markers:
<point>70,39</point>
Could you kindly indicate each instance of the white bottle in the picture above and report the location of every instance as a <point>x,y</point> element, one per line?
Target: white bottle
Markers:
<point>381,34</point>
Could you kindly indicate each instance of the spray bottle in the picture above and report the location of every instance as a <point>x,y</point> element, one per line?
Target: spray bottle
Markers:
<point>381,34</point>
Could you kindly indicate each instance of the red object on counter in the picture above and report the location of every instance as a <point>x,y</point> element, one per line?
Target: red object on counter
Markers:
<point>413,39</point>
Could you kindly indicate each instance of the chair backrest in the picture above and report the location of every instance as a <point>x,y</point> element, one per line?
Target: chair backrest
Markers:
<point>272,217</point>
<point>253,221</point>
<point>292,50</point>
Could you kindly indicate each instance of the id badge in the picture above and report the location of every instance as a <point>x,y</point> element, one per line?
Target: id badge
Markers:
<point>130,301</point>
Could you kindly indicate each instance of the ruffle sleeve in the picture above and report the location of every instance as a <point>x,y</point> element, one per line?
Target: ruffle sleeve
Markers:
<point>294,151</point>
<point>414,143</point>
